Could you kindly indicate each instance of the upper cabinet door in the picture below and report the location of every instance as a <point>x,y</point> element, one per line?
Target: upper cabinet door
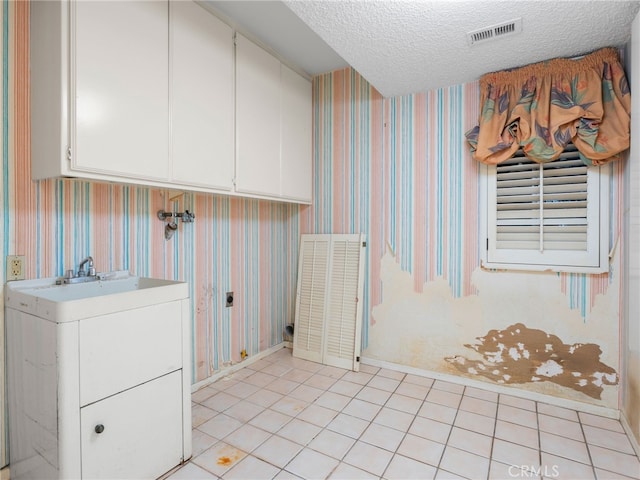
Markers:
<point>257,120</point>
<point>154,92</point>
<point>296,160</point>
<point>201,58</point>
<point>121,88</point>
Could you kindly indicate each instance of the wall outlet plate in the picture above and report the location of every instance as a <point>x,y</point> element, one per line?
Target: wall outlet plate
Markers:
<point>228,299</point>
<point>15,267</point>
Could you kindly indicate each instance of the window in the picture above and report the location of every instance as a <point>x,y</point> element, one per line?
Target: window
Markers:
<point>552,216</point>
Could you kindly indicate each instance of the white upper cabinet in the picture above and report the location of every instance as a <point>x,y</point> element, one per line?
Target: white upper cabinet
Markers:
<point>295,135</point>
<point>273,126</point>
<point>201,97</point>
<point>257,119</point>
<point>143,92</point>
<point>121,89</point>
<point>99,88</point>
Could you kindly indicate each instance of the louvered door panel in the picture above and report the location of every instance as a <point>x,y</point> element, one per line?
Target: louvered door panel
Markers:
<point>342,308</point>
<point>311,298</point>
<point>328,308</point>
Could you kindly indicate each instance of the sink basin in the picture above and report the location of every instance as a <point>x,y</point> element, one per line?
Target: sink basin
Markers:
<point>117,291</point>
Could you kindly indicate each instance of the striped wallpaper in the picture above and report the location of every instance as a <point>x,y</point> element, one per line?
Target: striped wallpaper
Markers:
<point>398,169</point>
<point>245,246</point>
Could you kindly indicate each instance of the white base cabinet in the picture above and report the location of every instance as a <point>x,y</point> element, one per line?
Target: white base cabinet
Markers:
<point>102,397</point>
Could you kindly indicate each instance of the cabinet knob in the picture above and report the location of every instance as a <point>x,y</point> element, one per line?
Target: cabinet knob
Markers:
<point>99,428</point>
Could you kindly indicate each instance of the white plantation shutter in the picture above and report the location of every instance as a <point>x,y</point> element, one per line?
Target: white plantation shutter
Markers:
<point>313,268</point>
<point>328,305</point>
<point>344,318</point>
<point>548,216</point>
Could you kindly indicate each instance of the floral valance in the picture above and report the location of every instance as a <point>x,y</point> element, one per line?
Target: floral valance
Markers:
<point>542,107</point>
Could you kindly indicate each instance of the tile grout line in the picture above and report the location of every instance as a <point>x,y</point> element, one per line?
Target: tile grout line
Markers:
<point>493,435</point>
<point>586,444</point>
<point>537,410</point>
<point>325,428</point>
<point>404,436</point>
<point>307,445</point>
<point>453,421</point>
<point>371,421</point>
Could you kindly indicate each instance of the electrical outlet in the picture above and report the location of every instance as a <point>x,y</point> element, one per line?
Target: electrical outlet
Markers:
<point>15,267</point>
<point>229,299</point>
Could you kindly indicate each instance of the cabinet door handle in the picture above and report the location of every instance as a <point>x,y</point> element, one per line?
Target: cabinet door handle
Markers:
<point>99,428</point>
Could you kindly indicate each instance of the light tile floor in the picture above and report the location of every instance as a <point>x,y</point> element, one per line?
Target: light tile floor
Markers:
<point>286,418</point>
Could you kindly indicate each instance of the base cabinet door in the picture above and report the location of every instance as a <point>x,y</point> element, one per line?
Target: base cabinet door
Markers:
<point>98,335</point>
<point>132,434</point>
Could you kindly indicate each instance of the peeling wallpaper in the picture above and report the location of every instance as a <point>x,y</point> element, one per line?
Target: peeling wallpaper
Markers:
<point>398,170</point>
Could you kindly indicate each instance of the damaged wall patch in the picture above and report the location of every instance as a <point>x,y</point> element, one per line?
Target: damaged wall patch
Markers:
<point>519,354</point>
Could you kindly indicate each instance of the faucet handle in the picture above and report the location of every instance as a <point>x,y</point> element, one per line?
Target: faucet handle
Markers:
<point>69,274</point>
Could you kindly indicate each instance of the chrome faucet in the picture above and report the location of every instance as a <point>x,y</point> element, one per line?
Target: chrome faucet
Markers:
<point>82,275</point>
<point>92,270</point>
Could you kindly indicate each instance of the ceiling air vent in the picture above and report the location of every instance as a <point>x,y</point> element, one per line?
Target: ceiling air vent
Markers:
<point>495,31</point>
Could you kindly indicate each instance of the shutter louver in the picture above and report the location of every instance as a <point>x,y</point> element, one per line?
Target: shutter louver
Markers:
<point>542,206</point>
<point>328,314</point>
<point>312,278</point>
<point>547,216</point>
<point>343,288</point>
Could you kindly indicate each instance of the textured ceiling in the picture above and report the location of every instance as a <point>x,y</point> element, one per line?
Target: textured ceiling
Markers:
<point>404,47</point>
<point>276,27</point>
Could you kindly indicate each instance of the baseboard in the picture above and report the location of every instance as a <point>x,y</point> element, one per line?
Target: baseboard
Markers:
<point>630,434</point>
<point>468,382</point>
<point>225,372</point>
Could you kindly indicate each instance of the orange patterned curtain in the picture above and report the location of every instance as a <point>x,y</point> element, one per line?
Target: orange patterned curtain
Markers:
<point>542,107</point>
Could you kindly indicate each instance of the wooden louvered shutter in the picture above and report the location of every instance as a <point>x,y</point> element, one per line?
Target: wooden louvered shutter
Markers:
<point>328,308</point>
<point>547,214</point>
<point>344,315</point>
<point>313,268</point>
